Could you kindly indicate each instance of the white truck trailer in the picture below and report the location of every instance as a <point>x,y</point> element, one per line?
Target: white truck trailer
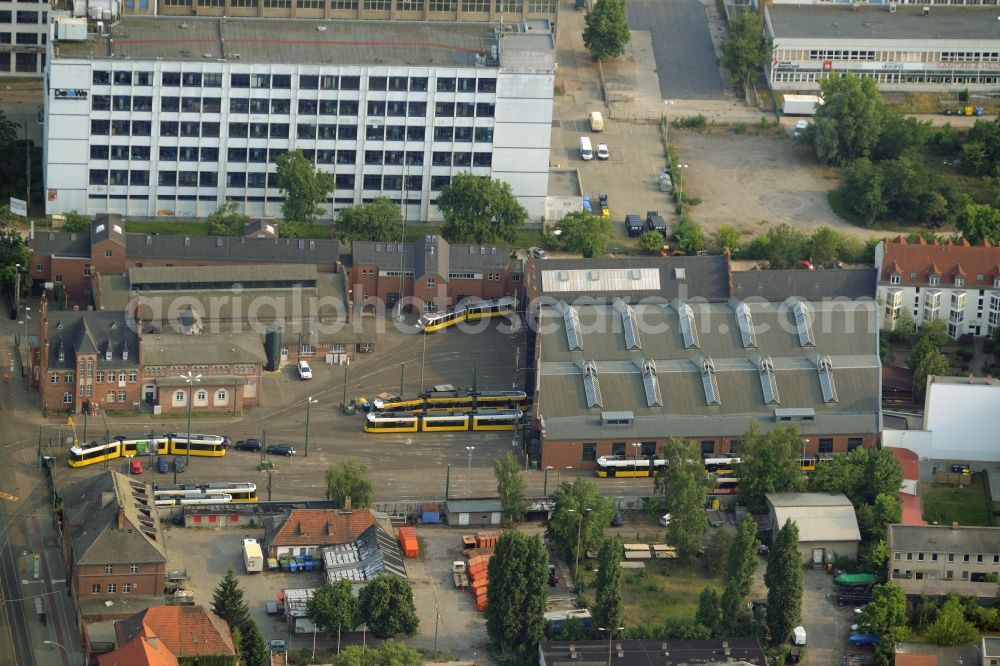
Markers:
<point>253,556</point>
<point>800,105</point>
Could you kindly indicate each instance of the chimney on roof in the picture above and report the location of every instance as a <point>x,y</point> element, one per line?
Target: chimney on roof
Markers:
<point>347,503</point>
<point>972,379</point>
<point>954,525</point>
<point>121,517</point>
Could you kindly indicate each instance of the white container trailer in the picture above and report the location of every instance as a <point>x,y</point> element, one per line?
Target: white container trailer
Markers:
<point>253,556</point>
<point>800,105</point>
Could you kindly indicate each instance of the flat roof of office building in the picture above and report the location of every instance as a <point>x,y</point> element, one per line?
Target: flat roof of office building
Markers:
<point>312,42</point>
<point>843,21</point>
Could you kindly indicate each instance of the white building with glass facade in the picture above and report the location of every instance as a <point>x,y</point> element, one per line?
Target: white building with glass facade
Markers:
<point>907,47</point>
<point>24,33</point>
<point>956,282</point>
<point>171,117</point>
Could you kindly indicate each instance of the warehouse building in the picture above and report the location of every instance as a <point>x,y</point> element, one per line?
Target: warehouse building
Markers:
<point>910,48</point>
<point>162,117</point>
<point>634,355</point>
<point>828,526</point>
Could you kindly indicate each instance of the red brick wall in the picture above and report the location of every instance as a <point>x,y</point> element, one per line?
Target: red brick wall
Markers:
<point>69,272</point>
<point>149,580</point>
<point>52,394</point>
<point>561,454</point>
<point>113,265</point>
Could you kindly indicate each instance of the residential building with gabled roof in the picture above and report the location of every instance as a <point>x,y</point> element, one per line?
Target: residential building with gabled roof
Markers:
<point>955,282</point>
<point>306,531</point>
<point>189,632</point>
<point>938,560</point>
<point>113,543</point>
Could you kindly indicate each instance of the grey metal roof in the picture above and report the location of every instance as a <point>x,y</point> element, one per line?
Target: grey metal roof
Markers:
<point>654,652</point>
<point>843,21</point>
<point>473,506</point>
<point>258,40</point>
<point>223,248</point>
<point>373,553</point>
<point>208,348</point>
<point>845,335</point>
<point>819,516</point>
<point>107,227</point>
<point>942,588</point>
<point>806,285</point>
<point>945,539</point>
<point>91,509</point>
<point>234,275</point>
<point>460,258</point>
<point>91,332</point>
<point>60,244</point>
<point>430,256</point>
<point>705,278</point>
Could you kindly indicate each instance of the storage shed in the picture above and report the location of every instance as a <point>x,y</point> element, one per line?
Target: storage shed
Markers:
<point>827,524</point>
<point>473,512</point>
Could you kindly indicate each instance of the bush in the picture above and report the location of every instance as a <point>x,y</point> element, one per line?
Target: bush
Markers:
<point>966,339</point>
<point>692,122</point>
<point>739,128</point>
<point>965,354</point>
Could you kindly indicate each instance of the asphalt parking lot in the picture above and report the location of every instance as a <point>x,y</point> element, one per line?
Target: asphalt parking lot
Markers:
<point>682,46</point>
<point>629,177</point>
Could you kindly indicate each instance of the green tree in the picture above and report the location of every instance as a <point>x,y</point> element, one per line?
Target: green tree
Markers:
<point>227,220</point>
<point>849,121</point>
<point>8,130</point>
<point>978,222</point>
<point>862,475</point>
<point>386,606</point>
<point>304,187</point>
<point>769,463</point>
<point>510,487</point>
<point>682,486</point>
<point>784,583</point>
<point>861,191</point>
<point>727,238</point>
<point>874,519</point>
<point>609,609</point>
<point>651,242</point>
<point>253,649</point>
<point>925,345</point>
<point>906,184</point>
<point>950,627</point>
<point>936,330</point>
<point>900,135</point>
<point>389,653</point>
<point>745,49</point>
<point>580,509</point>
<point>76,222</point>
<point>333,606</point>
<point>874,556</point>
<point>228,603</point>
<point>717,554</point>
<point>349,479</point>
<point>515,598</point>
<point>741,563</point>
<point>935,363</point>
<point>885,616</point>
<point>379,220</point>
<point>824,244</point>
<point>480,210</point>
<point>606,32</point>
<point>585,233</point>
<point>785,247</point>
<point>690,237</point>
<point>13,251</point>
<point>709,611</point>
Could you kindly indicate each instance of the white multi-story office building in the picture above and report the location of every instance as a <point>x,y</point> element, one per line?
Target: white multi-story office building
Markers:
<point>24,32</point>
<point>174,117</point>
<point>904,48</point>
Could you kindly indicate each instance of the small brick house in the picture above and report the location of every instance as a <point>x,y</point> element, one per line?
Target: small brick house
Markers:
<point>306,531</point>
<point>113,544</point>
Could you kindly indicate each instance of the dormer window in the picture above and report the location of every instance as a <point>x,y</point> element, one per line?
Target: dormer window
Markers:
<point>959,281</point>
<point>62,355</point>
<point>125,354</point>
<point>107,354</point>
<point>895,278</point>
<point>935,280</point>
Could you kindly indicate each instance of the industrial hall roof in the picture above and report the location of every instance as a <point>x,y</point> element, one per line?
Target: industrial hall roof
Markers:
<point>945,539</point>
<point>652,652</point>
<point>663,278</point>
<point>617,371</point>
<point>915,263</point>
<point>807,285</point>
<point>844,21</point>
<point>819,516</point>
<point>430,254</point>
<point>111,519</point>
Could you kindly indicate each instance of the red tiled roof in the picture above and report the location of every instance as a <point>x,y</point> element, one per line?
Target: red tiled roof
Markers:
<point>909,462</point>
<point>916,262</point>
<point>322,527</point>
<point>905,659</point>
<point>145,650</point>
<point>913,513</point>
<point>188,631</point>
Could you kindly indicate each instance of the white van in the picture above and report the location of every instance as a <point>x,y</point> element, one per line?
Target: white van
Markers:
<point>586,150</point>
<point>596,121</point>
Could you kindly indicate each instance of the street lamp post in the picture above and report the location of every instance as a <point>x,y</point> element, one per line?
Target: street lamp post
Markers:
<point>190,379</point>
<point>309,403</point>
<point>437,618</point>
<point>579,532</point>
<point>611,631</point>
<point>17,276</point>
<point>468,479</point>
<point>635,454</point>
<point>58,645</point>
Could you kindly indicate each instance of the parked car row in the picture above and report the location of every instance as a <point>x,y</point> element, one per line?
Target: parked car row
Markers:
<point>253,445</point>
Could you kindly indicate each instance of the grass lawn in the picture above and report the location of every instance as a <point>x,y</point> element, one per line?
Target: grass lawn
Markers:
<point>946,504</point>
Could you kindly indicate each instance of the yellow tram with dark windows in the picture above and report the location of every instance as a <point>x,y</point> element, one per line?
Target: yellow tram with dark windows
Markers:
<point>459,400</point>
<point>235,492</point>
<point>89,453</point>
<point>448,421</point>
<point>466,311</point>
